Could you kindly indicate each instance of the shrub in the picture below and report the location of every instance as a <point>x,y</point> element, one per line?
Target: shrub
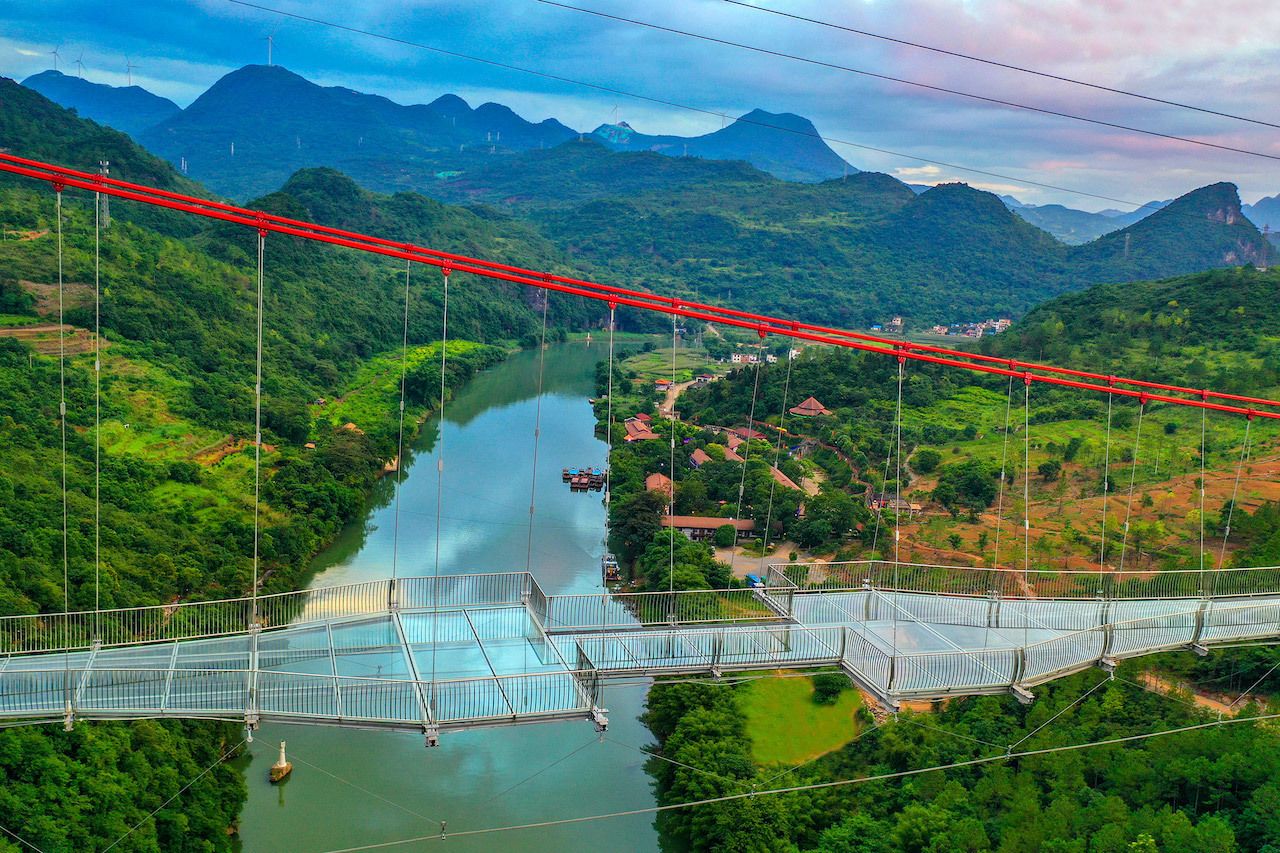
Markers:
<point>828,686</point>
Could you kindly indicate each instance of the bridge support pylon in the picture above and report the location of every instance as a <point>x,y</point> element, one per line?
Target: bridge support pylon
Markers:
<point>431,735</point>
<point>1022,694</point>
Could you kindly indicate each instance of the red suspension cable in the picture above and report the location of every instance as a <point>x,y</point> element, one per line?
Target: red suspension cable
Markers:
<point>762,324</point>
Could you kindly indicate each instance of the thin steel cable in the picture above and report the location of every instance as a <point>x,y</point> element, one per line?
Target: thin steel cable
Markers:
<point>608,437</point>
<point>435,583</point>
<point>1254,686</point>
<point>62,423</point>
<point>884,484</point>
<point>1106,487</point>
<point>777,449</point>
<point>677,105</point>
<point>176,794</point>
<point>404,370</point>
<point>1026,485</point>
<point>257,431</point>
<point>1004,467</point>
<point>20,839</point>
<point>444,363</point>
<point>875,75</point>
<point>874,727</point>
<point>650,754</point>
<point>537,430</point>
<point>1203,423</point>
<point>1133,476</point>
<point>1231,508</point>
<point>912,721</point>
<point>293,756</point>
<point>897,504</point>
<point>746,454</point>
<point>593,740</point>
<point>881,777</point>
<point>671,503</point>
<point>1026,510</point>
<point>97,414</point>
<point>997,64</point>
<point>1073,703</point>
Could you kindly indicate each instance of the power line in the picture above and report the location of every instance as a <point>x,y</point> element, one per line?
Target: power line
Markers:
<point>929,86</point>
<point>997,64</point>
<point>545,75</point>
<point>839,783</point>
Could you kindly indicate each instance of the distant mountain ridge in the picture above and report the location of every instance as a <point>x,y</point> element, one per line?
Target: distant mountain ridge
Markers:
<point>784,144</point>
<point>279,121</point>
<point>131,109</point>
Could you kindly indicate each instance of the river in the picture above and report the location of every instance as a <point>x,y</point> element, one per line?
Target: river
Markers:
<point>351,788</point>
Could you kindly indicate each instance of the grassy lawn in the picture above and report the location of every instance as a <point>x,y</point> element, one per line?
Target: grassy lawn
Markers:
<point>785,725</point>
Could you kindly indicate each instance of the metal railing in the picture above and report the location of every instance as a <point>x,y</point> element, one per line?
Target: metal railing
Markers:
<point>224,693</point>
<point>196,619</point>
<point>569,613</point>
<point>1036,583</point>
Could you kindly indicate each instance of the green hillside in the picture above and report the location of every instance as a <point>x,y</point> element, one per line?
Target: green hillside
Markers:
<point>850,252</point>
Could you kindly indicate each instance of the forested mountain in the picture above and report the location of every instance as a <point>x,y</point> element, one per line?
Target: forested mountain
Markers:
<point>129,108</point>
<point>849,251</point>
<point>279,122</point>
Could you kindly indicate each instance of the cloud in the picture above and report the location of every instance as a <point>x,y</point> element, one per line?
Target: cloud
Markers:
<point>1191,50</point>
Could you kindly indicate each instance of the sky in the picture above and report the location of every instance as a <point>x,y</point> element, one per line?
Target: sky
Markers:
<point>1221,55</point>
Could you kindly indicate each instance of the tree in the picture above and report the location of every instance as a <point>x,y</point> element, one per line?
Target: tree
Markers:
<point>1049,470</point>
<point>925,460</point>
<point>966,485</point>
<point>637,519</point>
<point>726,535</point>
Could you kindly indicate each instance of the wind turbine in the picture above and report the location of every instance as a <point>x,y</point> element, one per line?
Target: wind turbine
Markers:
<point>270,40</point>
<point>129,66</point>
<point>80,65</point>
<point>55,58</point>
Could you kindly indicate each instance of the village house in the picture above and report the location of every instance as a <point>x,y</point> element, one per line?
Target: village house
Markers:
<point>660,483</point>
<point>700,528</point>
<point>638,430</point>
<point>877,501</point>
<point>699,458</point>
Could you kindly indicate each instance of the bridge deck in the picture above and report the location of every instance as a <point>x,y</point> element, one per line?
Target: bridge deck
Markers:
<point>439,662</point>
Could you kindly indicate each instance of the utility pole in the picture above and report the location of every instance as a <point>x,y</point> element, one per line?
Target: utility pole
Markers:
<point>1127,239</point>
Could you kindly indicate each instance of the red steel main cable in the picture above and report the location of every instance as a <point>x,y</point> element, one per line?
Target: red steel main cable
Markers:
<point>762,324</point>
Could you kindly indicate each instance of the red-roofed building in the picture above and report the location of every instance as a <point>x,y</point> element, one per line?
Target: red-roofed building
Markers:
<point>699,458</point>
<point>743,432</point>
<point>638,430</point>
<point>809,408</point>
<point>782,479</point>
<point>730,456</point>
<point>699,527</point>
<point>658,483</point>
<point>643,417</point>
